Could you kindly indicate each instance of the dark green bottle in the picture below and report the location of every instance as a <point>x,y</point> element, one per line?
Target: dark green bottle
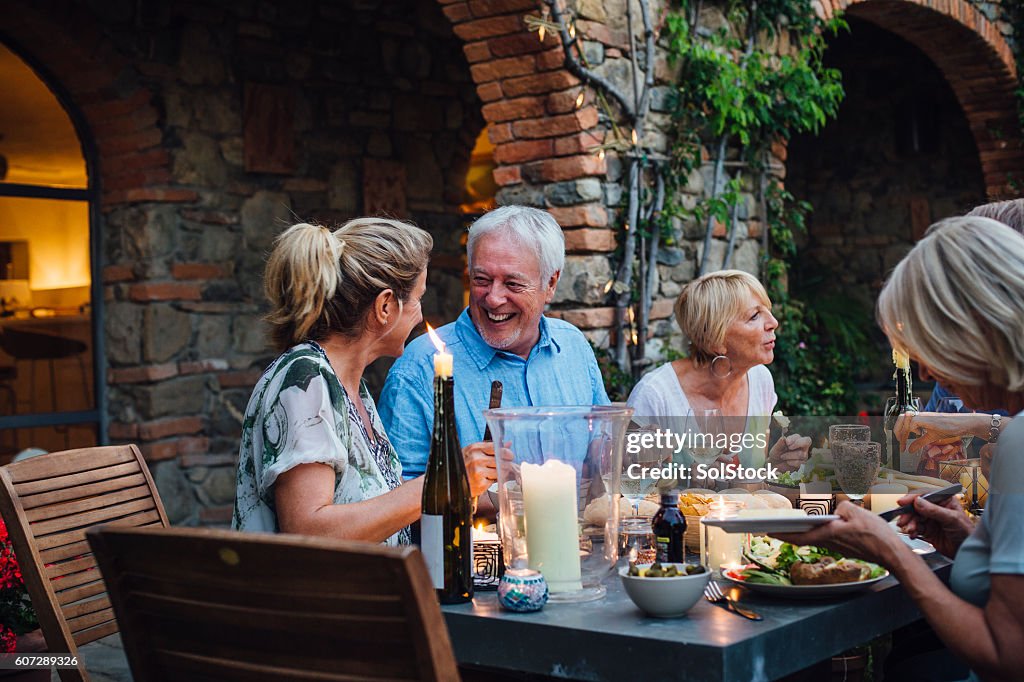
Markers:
<point>447,522</point>
<point>669,526</point>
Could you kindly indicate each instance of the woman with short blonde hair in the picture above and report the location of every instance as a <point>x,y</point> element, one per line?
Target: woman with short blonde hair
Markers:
<point>726,317</point>
<point>955,304</point>
<point>314,457</point>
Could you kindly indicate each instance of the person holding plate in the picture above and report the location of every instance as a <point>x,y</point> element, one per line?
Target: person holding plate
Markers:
<point>955,304</point>
<point>727,318</point>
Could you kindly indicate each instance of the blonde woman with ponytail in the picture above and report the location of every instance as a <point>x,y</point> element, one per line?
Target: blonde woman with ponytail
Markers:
<point>314,458</point>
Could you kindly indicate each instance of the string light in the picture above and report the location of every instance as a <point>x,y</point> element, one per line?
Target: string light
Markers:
<point>572,31</point>
<point>579,99</point>
<point>608,287</point>
<point>600,154</point>
<point>634,136</point>
<point>540,33</point>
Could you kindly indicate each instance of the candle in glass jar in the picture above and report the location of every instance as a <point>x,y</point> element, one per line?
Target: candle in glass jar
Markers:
<point>552,531</point>
<point>716,546</point>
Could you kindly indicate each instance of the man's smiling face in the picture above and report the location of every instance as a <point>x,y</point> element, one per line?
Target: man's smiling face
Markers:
<point>506,294</point>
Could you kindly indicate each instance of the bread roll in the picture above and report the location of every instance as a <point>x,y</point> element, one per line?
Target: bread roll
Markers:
<point>773,499</point>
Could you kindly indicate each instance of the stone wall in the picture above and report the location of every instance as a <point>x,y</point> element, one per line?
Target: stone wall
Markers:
<point>212,125</point>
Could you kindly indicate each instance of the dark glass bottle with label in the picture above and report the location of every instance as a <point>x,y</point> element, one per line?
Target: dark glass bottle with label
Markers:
<point>669,526</point>
<point>446,524</point>
<point>904,402</point>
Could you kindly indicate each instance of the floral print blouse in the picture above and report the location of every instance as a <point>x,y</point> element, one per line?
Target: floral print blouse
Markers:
<point>299,413</point>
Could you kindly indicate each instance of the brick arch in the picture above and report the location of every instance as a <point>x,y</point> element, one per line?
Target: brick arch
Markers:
<point>121,122</point>
<point>978,64</point>
<point>528,100</point>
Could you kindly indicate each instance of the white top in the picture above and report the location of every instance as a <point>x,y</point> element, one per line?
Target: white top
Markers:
<point>659,394</point>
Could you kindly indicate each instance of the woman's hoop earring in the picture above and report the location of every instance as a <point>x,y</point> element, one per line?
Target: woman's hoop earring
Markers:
<point>717,358</point>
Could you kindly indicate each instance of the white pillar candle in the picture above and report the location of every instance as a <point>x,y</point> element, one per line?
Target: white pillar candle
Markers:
<point>884,496</point>
<point>552,532</point>
<point>815,487</point>
<point>718,548</point>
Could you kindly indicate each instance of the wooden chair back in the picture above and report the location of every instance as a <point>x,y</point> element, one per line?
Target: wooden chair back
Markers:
<point>210,605</point>
<point>48,503</point>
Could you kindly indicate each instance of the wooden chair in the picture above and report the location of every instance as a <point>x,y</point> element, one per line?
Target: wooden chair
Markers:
<point>211,605</point>
<point>49,502</point>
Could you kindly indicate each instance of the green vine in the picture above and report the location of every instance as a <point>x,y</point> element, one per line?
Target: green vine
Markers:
<point>751,84</point>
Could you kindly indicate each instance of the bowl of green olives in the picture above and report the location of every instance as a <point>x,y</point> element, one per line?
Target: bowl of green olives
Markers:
<point>664,590</point>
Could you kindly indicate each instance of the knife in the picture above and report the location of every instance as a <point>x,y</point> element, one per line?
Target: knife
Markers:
<point>493,404</point>
<point>935,497</point>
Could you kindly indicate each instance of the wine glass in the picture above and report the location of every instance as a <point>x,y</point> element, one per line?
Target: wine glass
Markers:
<point>636,481</point>
<point>856,464</point>
<point>704,430</point>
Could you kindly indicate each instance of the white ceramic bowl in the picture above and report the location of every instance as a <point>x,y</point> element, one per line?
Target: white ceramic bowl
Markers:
<point>665,597</point>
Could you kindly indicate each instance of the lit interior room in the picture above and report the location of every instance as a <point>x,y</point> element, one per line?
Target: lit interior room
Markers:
<point>45,270</point>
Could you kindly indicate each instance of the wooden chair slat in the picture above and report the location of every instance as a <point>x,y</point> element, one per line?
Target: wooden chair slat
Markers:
<point>134,478</point>
<point>90,620</point>
<point>48,503</point>
<point>70,580</point>
<point>203,668</point>
<point>63,568</point>
<point>63,509</point>
<point>77,594</point>
<point>99,632</point>
<point>83,607</point>
<point>224,600</point>
<point>74,549</point>
<point>76,535</point>
<point>91,518</point>
<point>234,594</point>
<point>73,477</point>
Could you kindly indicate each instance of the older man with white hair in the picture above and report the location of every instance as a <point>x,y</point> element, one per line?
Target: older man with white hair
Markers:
<point>515,255</point>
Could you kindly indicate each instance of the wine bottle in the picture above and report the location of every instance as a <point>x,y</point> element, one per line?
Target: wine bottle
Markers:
<point>446,524</point>
<point>903,402</point>
<point>669,526</point>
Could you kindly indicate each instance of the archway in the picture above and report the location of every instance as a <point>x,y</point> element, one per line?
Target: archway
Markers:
<point>49,397</point>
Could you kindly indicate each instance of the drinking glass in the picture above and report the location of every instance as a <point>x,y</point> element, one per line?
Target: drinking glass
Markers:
<point>856,464</point>
<point>838,433</point>
<point>636,481</point>
<point>704,430</point>
<point>637,541</point>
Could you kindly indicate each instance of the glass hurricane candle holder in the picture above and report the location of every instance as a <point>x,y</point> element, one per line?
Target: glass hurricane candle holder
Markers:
<point>967,472</point>
<point>558,493</point>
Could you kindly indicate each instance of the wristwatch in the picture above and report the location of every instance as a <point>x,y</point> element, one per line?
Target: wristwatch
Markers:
<point>993,431</point>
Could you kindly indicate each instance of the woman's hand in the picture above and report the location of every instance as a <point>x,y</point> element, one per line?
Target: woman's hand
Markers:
<point>481,467</point>
<point>858,534</point>
<point>939,428</point>
<point>944,525</point>
<point>789,452</point>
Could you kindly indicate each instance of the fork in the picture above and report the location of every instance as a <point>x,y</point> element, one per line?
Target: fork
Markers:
<point>713,593</point>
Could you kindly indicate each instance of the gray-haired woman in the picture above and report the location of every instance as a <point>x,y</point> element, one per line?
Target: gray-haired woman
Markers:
<point>314,458</point>
<point>955,304</point>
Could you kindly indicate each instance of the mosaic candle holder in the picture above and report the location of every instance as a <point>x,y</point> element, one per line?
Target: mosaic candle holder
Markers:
<point>817,504</point>
<point>488,565</point>
<point>522,590</point>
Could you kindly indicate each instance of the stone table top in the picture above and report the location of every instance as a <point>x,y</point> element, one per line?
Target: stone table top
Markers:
<point>610,639</point>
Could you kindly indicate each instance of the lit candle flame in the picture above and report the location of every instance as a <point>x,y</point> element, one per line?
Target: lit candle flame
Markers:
<point>435,339</point>
<point>633,555</point>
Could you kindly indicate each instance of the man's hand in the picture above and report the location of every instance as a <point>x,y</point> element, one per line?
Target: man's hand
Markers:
<point>481,466</point>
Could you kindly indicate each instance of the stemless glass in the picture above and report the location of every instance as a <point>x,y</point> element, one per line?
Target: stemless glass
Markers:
<point>637,541</point>
<point>551,517</point>
<point>857,464</point>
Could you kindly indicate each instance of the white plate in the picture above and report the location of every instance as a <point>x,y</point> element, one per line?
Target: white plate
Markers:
<point>770,524</point>
<point>919,546</point>
<point>806,591</point>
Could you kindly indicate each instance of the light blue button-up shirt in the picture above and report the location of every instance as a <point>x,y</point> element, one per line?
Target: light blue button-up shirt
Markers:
<point>560,370</point>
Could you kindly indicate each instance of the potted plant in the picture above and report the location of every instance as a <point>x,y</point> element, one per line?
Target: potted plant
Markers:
<point>19,629</point>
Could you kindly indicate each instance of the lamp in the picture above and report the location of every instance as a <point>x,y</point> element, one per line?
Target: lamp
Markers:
<point>14,294</point>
